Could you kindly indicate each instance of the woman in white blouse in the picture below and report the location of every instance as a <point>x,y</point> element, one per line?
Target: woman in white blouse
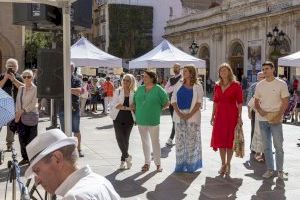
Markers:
<point>27,102</point>
<point>187,100</point>
<point>123,117</point>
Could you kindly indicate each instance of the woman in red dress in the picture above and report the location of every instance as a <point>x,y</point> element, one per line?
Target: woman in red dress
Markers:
<point>227,109</point>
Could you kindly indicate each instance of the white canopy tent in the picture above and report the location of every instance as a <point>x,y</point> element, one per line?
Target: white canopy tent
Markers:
<point>165,55</point>
<point>66,10</point>
<point>84,53</point>
<point>292,60</point>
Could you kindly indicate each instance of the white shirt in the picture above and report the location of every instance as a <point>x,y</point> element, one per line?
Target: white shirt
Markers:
<point>197,98</point>
<point>270,95</point>
<point>83,184</point>
<point>170,88</point>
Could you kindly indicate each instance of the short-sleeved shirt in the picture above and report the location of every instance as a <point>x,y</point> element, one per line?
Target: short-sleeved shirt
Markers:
<point>149,105</point>
<point>270,95</point>
<point>108,88</point>
<point>8,86</point>
<point>75,83</point>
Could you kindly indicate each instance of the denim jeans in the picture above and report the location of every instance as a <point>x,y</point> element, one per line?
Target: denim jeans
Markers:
<point>267,131</point>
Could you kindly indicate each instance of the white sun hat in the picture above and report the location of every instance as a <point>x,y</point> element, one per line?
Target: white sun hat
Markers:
<point>44,144</point>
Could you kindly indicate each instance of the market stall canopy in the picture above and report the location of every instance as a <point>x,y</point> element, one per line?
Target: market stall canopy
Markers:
<point>84,53</point>
<point>165,55</point>
<point>292,60</point>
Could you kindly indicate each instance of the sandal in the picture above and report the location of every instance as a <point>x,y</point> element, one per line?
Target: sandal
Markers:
<point>222,170</point>
<point>227,171</point>
<point>145,168</point>
<point>158,168</point>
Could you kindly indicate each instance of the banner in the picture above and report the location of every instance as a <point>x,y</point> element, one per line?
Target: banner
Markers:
<point>254,59</point>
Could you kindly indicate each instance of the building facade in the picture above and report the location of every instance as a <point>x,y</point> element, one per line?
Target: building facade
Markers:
<point>11,37</point>
<point>235,32</point>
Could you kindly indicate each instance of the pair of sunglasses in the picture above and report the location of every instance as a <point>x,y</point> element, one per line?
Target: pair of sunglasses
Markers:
<point>26,77</point>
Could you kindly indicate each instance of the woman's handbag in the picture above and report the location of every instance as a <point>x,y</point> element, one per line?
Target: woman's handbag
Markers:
<point>239,144</point>
<point>28,118</point>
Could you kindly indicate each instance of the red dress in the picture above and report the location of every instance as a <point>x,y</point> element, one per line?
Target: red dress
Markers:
<point>226,115</point>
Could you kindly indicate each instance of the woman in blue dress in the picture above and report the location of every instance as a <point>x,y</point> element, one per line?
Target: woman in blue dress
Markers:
<point>187,100</point>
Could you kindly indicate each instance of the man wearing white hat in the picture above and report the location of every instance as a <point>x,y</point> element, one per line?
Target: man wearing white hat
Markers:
<point>53,159</point>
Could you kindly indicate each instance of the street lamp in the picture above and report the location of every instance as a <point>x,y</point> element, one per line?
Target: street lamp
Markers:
<point>275,40</point>
<point>194,48</point>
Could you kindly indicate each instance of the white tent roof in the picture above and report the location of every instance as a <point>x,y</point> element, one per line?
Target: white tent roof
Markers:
<point>292,60</point>
<point>165,55</point>
<point>57,3</point>
<point>84,53</point>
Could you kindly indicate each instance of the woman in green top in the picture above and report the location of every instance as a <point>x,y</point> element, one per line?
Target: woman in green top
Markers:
<point>150,99</point>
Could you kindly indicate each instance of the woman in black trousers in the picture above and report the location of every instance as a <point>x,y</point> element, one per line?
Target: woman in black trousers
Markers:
<point>123,117</point>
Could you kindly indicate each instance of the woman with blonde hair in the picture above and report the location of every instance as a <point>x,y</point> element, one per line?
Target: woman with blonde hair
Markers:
<point>227,110</point>
<point>26,113</point>
<point>186,101</point>
<point>123,117</point>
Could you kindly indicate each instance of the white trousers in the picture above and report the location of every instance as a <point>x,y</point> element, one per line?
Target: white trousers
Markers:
<point>82,105</point>
<point>107,101</point>
<point>146,133</point>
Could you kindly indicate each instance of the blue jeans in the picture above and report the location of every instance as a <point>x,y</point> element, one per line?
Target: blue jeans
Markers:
<point>267,131</point>
<point>75,121</point>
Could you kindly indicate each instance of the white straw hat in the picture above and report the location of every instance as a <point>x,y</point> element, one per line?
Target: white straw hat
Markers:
<point>44,144</point>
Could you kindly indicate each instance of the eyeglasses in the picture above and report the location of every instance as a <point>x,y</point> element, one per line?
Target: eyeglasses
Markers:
<point>26,77</point>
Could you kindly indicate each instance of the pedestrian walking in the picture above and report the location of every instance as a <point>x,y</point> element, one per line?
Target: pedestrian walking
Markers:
<point>123,117</point>
<point>227,109</point>
<point>53,161</point>
<point>149,100</point>
<point>171,84</point>
<point>187,100</point>
<point>76,92</point>
<point>108,93</point>
<point>26,113</point>
<point>10,81</point>
<point>271,101</point>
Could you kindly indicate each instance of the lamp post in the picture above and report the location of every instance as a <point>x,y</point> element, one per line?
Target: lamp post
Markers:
<point>194,48</point>
<point>275,40</point>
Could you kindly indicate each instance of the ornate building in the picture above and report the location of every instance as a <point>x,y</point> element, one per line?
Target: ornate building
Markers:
<point>11,37</point>
<point>235,32</point>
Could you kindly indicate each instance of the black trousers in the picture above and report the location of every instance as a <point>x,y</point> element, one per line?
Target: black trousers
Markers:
<point>30,132</point>
<point>122,131</point>
<point>252,125</point>
<point>173,126</point>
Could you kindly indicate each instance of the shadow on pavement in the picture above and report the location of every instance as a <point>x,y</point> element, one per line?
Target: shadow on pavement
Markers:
<point>105,127</point>
<point>129,186</point>
<point>173,187</point>
<point>258,168</point>
<point>220,188</point>
<point>165,152</point>
<point>265,191</point>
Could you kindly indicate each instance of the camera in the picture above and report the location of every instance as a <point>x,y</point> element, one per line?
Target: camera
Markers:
<point>10,70</point>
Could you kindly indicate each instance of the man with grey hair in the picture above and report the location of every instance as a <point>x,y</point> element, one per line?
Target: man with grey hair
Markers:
<point>53,162</point>
<point>10,81</point>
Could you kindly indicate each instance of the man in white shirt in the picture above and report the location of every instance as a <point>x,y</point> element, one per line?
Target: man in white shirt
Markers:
<point>53,158</point>
<point>170,86</point>
<point>271,100</point>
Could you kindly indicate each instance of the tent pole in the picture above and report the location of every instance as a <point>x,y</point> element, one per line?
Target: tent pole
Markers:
<point>66,9</point>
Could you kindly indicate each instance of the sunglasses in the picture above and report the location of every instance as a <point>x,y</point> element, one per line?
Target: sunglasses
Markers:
<point>26,77</point>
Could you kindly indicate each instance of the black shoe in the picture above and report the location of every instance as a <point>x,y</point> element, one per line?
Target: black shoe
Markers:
<point>23,162</point>
<point>80,154</point>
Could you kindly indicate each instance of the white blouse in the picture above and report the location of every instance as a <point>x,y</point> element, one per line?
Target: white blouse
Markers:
<point>29,99</point>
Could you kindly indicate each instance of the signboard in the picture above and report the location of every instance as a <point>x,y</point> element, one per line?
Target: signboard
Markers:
<point>254,60</point>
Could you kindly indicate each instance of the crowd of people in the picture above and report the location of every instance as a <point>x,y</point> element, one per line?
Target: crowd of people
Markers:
<point>140,100</point>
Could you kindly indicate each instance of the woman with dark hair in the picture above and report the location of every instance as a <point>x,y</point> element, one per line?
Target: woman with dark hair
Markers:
<point>149,100</point>
<point>227,109</point>
<point>186,101</point>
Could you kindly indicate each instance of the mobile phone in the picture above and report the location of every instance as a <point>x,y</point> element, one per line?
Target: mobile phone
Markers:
<point>10,70</point>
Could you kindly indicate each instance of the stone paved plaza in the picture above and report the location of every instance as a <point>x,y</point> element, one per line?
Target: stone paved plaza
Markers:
<point>103,155</point>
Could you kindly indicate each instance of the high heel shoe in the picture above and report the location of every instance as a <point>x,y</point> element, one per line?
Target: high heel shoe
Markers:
<point>227,171</point>
<point>222,170</point>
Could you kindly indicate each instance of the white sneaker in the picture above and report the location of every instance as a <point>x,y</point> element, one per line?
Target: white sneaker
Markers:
<point>281,175</point>
<point>169,142</point>
<point>129,161</point>
<point>122,165</point>
<point>268,174</point>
